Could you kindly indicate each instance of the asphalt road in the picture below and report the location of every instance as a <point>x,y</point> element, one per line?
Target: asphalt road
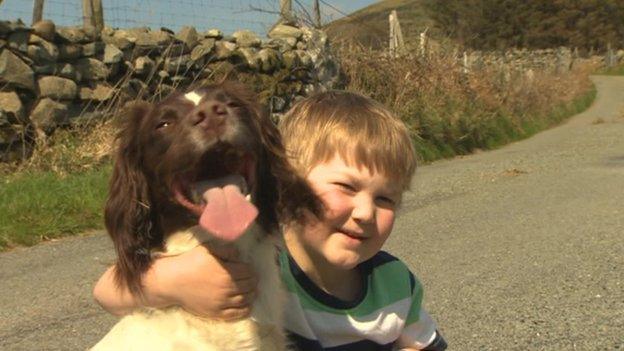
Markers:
<point>520,248</point>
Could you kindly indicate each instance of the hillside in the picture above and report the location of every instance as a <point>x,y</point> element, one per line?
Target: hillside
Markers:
<point>369,26</point>
<point>490,24</point>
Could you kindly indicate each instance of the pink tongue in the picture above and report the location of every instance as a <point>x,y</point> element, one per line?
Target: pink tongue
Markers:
<point>227,214</point>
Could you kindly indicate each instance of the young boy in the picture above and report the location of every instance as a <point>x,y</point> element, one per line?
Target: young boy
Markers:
<point>343,292</point>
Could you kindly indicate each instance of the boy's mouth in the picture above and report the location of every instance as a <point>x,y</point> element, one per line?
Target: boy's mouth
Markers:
<point>353,235</point>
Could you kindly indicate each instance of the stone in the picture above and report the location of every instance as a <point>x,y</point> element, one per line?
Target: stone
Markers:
<point>11,107</point>
<point>73,35</point>
<point>154,38</point>
<point>91,33</point>
<point>205,47</point>
<point>120,42</point>
<point>282,44</point>
<point>178,64</point>
<point>249,57</point>
<point>5,28</point>
<point>46,29</point>
<point>92,69</point>
<point>305,59</point>
<point>92,49</point>
<point>277,104</point>
<point>69,52</point>
<point>164,90</point>
<point>285,31</point>
<point>67,70</point>
<point>178,81</point>
<point>8,135</point>
<point>49,115</point>
<point>19,41</point>
<point>213,33</point>
<point>224,49</point>
<point>291,60</point>
<point>269,60</point>
<point>42,54</point>
<point>247,38</point>
<point>101,92</point>
<point>112,54</point>
<point>133,88</point>
<point>143,65</point>
<point>188,35</point>
<point>57,88</point>
<point>15,72</point>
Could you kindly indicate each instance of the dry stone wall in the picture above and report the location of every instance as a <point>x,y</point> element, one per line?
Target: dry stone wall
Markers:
<point>52,77</point>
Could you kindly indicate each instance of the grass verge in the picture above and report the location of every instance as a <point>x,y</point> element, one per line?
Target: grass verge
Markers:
<point>612,71</point>
<point>38,206</point>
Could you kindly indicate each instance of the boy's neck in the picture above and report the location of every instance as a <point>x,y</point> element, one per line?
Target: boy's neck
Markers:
<point>344,284</point>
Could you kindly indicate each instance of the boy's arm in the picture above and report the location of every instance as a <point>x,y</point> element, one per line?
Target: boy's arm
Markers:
<point>421,335</point>
<point>206,281</point>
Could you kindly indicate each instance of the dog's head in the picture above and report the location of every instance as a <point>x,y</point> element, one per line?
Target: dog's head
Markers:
<point>171,154</point>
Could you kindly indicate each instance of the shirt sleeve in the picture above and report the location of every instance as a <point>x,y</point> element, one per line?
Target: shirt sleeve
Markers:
<point>420,329</point>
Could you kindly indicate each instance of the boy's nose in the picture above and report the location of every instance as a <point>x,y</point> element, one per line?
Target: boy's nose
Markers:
<point>363,210</point>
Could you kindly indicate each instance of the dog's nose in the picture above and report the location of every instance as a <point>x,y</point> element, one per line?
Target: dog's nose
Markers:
<point>211,115</point>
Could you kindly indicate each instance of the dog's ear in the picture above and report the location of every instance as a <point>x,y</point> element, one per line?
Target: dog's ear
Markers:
<point>129,218</point>
<point>283,194</point>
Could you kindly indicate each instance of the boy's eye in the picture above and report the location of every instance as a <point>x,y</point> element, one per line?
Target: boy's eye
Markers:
<point>386,200</point>
<point>345,186</point>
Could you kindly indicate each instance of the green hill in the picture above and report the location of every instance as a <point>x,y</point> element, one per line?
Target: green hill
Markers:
<point>490,24</point>
<point>369,26</point>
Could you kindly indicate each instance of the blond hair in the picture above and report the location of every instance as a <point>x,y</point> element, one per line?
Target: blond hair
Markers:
<point>358,129</point>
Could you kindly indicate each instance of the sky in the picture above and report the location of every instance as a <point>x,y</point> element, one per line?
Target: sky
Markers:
<point>227,15</point>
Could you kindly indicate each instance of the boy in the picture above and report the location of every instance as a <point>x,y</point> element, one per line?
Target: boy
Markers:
<point>343,292</point>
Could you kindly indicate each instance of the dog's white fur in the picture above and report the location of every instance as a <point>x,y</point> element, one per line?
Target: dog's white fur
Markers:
<point>175,329</point>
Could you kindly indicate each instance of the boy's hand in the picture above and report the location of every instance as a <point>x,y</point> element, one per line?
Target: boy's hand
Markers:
<point>209,281</point>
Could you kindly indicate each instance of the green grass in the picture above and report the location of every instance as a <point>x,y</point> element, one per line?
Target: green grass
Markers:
<point>43,205</point>
<point>612,71</point>
<point>496,131</point>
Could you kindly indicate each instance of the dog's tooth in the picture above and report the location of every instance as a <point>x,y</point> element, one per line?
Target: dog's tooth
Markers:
<point>248,197</point>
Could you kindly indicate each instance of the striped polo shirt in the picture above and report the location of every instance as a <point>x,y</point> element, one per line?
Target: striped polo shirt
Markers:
<point>387,314</point>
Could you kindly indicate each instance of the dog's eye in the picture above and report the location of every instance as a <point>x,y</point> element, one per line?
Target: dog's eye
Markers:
<point>163,124</point>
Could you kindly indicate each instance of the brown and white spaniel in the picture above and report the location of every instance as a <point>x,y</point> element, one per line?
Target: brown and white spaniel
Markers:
<point>201,166</point>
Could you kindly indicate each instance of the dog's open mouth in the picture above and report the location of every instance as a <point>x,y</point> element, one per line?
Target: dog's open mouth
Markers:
<point>218,191</point>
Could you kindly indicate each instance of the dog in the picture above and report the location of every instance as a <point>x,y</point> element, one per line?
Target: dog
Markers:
<point>205,165</point>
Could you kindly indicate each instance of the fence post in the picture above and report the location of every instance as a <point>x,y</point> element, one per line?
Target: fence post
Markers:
<point>317,14</point>
<point>423,43</point>
<point>397,46</point>
<point>286,11</point>
<point>87,13</point>
<point>466,63</point>
<point>98,14</point>
<point>610,57</point>
<point>37,11</point>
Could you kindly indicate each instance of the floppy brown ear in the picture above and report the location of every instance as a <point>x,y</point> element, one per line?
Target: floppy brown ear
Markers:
<point>283,194</point>
<point>131,223</point>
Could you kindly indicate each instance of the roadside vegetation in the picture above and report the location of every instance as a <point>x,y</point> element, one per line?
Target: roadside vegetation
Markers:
<point>61,189</point>
<point>452,112</point>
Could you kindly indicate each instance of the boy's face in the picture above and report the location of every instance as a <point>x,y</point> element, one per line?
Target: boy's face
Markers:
<point>360,210</point>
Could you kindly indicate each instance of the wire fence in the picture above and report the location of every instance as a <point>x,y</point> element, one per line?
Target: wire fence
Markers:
<point>226,15</point>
